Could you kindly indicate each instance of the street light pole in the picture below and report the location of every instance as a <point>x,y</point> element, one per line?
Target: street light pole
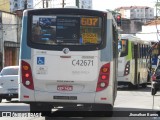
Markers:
<point>46,3</point>
<point>63,3</point>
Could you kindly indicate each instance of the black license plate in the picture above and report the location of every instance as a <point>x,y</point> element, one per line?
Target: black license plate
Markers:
<point>65,97</point>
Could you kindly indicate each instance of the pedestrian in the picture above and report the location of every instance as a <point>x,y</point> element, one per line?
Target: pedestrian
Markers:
<point>36,32</point>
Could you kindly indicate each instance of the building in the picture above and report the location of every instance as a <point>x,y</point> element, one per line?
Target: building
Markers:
<point>86,4</point>
<point>20,4</point>
<point>138,13</point>
<point>130,27</point>
<point>150,31</point>
<point>5,5</point>
<point>9,45</point>
<point>36,4</point>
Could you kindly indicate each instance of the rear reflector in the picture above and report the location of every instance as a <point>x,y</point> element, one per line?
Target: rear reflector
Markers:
<point>26,96</point>
<point>103,98</point>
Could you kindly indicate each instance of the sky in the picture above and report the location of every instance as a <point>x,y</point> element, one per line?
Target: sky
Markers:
<point>112,4</point>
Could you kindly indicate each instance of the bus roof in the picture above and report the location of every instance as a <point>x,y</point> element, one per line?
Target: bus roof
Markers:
<point>134,38</point>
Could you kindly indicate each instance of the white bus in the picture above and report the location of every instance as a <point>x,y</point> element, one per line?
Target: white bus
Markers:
<point>134,61</point>
<point>68,57</point>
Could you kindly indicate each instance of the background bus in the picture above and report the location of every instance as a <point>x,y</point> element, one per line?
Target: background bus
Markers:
<point>68,57</point>
<point>133,62</point>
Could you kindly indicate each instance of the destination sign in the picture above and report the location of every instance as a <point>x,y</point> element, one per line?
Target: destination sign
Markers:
<point>90,21</point>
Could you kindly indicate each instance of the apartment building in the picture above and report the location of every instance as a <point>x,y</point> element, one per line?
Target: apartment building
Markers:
<point>36,4</point>
<point>5,5</point>
<point>138,13</point>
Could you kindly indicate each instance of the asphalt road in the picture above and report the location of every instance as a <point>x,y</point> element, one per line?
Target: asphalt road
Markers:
<point>129,103</point>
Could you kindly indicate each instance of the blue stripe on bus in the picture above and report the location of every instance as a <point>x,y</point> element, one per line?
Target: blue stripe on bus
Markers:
<point>25,51</point>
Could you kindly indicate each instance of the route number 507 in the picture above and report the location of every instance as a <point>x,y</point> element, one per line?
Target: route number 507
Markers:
<point>82,62</point>
<point>89,21</point>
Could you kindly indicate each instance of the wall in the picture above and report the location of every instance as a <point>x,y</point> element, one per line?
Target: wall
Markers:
<point>5,5</point>
<point>149,33</point>
<point>9,22</point>
<point>9,39</point>
<point>131,26</point>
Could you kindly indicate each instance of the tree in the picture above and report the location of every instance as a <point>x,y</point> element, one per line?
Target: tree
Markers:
<point>157,5</point>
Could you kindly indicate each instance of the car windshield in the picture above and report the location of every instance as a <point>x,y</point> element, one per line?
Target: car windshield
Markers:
<point>9,71</point>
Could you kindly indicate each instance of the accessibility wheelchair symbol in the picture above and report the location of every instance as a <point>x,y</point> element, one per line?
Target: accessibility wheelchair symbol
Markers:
<point>40,60</point>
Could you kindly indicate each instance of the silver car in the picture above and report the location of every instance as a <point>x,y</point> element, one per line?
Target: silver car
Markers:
<point>9,83</point>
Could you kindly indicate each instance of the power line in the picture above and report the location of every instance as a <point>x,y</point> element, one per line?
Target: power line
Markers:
<point>38,3</point>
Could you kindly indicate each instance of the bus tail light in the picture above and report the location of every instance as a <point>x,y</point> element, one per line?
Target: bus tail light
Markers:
<point>27,78</point>
<point>127,68</point>
<point>103,79</point>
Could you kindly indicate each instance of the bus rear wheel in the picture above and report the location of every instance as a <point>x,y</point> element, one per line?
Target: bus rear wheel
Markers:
<point>40,108</point>
<point>103,110</point>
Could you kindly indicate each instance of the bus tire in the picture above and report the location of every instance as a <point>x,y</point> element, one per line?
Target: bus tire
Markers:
<point>9,99</point>
<point>138,81</point>
<point>131,86</point>
<point>34,108</point>
<point>37,108</point>
<point>102,110</point>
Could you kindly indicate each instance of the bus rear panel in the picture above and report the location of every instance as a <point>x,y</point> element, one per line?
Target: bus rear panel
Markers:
<point>62,59</point>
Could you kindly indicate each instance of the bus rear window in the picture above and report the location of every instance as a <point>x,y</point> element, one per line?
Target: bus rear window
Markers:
<point>66,29</point>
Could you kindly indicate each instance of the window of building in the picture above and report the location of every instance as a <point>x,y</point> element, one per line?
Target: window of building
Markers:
<point>15,5</point>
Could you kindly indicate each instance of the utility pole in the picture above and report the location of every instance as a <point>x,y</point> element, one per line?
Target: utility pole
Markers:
<point>25,4</point>
<point>157,5</point>
<point>43,3</point>
<point>77,3</point>
<point>63,3</point>
<point>46,3</point>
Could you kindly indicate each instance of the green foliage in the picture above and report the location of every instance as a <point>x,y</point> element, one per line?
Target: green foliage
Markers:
<point>157,4</point>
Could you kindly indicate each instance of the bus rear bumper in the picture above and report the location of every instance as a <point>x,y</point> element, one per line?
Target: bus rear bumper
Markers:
<point>101,97</point>
<point>124,80</point>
